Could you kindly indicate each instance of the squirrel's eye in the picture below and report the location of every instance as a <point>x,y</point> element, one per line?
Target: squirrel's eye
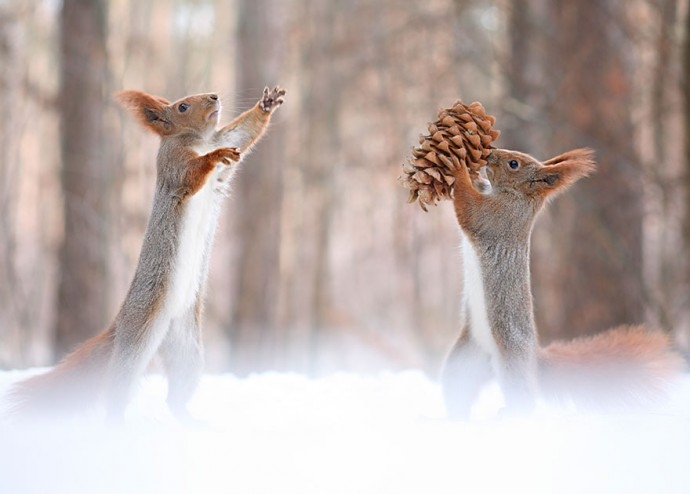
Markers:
<point>183,107</point>
<point>513,164</point>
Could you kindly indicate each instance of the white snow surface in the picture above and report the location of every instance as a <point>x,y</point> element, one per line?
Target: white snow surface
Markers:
<point>346,433</point>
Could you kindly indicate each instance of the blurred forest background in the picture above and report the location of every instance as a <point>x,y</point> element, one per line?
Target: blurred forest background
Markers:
<point>319,263</point>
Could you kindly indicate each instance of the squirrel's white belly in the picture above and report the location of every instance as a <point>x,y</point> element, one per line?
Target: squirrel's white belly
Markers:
<point>193,245</point>
<point>475,300</point>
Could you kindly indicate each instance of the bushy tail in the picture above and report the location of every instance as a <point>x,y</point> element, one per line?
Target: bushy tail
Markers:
<point>71,386</point>
<point>618,369</point>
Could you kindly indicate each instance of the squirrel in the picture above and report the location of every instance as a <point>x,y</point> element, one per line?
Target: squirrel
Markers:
<point>163,307</point>
<point>612,370</point>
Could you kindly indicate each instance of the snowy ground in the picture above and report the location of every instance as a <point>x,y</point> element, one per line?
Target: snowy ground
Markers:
<point>281,433</point>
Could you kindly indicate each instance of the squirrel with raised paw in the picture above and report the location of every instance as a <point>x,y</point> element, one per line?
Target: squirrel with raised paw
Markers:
<point>163,308</point>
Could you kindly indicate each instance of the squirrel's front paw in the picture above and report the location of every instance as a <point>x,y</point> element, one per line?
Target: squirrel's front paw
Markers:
<point>226,155</point>
<point>272,99</point>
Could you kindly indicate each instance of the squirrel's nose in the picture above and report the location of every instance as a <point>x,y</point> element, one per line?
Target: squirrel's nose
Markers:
<point>214,97</point>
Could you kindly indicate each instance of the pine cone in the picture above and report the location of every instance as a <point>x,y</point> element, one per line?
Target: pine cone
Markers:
<point>462,136</point>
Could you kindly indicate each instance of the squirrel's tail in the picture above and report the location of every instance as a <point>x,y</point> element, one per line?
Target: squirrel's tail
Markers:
<point>70,387</point>
<point>617,369</point>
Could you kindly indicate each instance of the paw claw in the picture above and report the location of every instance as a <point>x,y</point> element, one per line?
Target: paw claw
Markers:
<point>228,155</point>
<point>272,99</point>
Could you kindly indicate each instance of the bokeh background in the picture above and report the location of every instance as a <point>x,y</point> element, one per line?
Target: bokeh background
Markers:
<point>319,263</point>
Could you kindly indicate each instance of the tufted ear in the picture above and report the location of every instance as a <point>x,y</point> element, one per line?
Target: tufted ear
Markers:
<point>562,171</point>
<point>151,111</point>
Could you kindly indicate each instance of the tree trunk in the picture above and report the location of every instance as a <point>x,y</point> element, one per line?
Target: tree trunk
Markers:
<point>524,70</point>
<point>686,88</point>
<point>257,193</point>
<point>11,289</point>
<point>83,278</point>
<point>600,263</point>
<point>663,262</point>
<point>321,100</point>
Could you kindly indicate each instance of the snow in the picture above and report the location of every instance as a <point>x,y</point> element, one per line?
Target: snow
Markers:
<point>347,433</point>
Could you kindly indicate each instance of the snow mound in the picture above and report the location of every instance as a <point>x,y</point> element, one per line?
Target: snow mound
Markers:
<point>346,433</point>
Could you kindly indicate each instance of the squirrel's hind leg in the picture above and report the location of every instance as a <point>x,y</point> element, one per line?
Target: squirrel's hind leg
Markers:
<point>183,357</point>
<point>135,346</point>
<point>517,378</point>
<point>465,372</point>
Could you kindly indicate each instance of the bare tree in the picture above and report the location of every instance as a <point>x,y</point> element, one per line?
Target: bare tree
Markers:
<point>598,247</point>
<point>257,191</point>
<point>664,276</point>
<point>686,86</point>
<point>322,156</point>
<point>11,299</point>
<point>83,280</point>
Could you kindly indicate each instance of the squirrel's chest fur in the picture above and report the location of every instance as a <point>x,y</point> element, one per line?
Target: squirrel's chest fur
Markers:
<point>475,299</point>
<point>193,244</point>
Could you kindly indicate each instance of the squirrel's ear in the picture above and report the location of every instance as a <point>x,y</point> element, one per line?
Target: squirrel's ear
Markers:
<point>561,171</point>
<point>151,111</point>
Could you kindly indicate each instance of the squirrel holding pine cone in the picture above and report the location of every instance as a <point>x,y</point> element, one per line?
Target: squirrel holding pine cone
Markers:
<point>497,195</point>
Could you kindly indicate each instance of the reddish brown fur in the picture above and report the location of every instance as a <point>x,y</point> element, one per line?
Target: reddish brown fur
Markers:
<point>165,118</point>
<point>147,109</point>
<point>201,166</point>
<point>536,180</point>
<point>77,381</point>
<point>620,367</point>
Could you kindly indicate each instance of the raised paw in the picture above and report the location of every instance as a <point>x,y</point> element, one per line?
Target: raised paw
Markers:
<point>272,98</point>
<point>226,155</point>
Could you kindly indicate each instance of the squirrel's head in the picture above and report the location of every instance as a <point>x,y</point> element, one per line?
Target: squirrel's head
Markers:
<point>521,175</point>
<point>197,114</point>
